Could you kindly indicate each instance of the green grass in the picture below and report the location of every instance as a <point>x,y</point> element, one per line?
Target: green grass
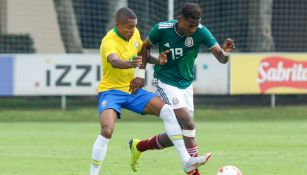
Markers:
<point>44,140</point>
<point>262,148</point>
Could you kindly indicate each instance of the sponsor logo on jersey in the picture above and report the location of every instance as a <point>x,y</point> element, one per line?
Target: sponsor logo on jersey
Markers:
<point>189,41</point>
<point>136,44</point>
<point>104,103</point>
<point>175,100</point>
<point>281,72</point>
<point>166,45</point>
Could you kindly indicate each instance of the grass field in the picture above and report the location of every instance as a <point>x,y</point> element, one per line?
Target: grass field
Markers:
<point>47,141</point>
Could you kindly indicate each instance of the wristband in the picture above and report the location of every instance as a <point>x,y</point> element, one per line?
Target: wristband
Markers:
<point>140,73</point>
<point>226,54</point>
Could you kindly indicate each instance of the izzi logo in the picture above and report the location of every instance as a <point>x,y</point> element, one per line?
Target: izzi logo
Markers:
<point>57,76</point>
<point>277,71</point>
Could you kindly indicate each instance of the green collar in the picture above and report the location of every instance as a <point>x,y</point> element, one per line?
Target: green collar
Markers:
<point>115,30</point>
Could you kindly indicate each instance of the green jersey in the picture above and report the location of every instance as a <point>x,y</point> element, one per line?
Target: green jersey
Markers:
<point>179,69</point>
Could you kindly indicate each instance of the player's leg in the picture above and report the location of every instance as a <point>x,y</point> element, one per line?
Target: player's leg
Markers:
<point>174,132</point>
<point>162,141</point>
<point>157,107</point>
<point>109,109</point>
<point>182,102</point>
<point>107,122</point>
<point>145,102</point>
<point>185,118</point>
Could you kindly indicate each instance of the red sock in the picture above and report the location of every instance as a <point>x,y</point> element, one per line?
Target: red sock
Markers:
<point>149,144</point>
<point>194,153</point>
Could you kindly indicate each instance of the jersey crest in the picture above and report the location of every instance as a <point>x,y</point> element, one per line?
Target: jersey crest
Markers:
<point>136,44</point>
<point>189,42</point>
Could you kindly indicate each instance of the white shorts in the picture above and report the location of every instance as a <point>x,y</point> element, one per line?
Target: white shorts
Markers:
<point>177,98</point>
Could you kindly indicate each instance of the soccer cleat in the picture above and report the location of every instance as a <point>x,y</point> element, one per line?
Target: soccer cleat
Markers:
<point>195,162</point>
<point>135,154</point>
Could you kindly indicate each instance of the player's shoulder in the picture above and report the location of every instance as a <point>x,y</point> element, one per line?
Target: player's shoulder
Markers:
<point>110,37</point>
<point>136,31</point>
<point>202,27</point>
<point>110,34</point>
<point>166,24</point>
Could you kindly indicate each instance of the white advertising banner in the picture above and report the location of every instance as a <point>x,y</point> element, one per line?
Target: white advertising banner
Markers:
<point>79,74</point>
<point>211,77</point>
<point>65,74</point>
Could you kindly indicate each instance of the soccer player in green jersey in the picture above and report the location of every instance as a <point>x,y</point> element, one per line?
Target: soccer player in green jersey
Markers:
<point>179,40</point>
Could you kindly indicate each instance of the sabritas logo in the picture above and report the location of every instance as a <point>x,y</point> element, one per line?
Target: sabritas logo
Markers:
<point>278,71</point>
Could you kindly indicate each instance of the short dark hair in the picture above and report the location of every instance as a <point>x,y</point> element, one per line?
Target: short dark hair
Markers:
<point>125,11</point>
<point>191,10</point>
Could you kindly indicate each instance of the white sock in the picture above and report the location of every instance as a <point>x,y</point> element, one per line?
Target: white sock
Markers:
<point>98,154</point>
<point>174,132</point>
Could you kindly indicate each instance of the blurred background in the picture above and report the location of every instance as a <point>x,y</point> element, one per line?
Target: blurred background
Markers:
<point>50,67</point>
<point>76,26</point>
<point>54,29</point>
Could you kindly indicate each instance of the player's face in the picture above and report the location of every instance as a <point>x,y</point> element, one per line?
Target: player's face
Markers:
<point>188,26</point>
<point>126,28</point>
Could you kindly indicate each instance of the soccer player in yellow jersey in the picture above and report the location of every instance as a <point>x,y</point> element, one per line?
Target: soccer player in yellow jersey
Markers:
<point>119,50</point>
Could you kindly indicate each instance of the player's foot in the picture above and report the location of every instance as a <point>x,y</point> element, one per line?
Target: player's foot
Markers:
<point>195,162</point>
<point>135,154</point>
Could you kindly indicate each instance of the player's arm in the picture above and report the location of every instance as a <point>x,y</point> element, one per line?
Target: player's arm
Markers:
<point>145,53</point>
<point>139,74</point>
<point>222,54</point>
<point>139,80</point>
<point>162,59</point>
<point>116,62</point>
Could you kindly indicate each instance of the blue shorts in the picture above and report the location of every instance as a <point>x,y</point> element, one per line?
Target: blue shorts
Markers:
<point>115,99</point>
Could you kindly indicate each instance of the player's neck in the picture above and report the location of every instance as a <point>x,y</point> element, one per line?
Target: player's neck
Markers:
<point>118,34</point>
<point>179,32</point>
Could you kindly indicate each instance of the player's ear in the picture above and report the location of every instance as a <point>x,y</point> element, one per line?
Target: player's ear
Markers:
<point>117,24</point>
<point>179,18</point>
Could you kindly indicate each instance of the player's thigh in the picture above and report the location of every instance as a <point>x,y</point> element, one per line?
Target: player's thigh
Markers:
<point>154,106</point>
<point>112,99</point>
<point>144,102</point>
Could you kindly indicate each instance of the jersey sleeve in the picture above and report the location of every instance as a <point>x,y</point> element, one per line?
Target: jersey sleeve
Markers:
<point>108,46</point>
<point>154,35</point>
<point>207,38</point>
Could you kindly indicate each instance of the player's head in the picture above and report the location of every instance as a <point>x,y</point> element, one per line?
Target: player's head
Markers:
<point>125,22</point>
<point>189,18</point>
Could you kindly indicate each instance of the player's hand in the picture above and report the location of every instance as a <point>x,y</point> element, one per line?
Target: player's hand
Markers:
<point>135,84</point>
<point>135,62</point>
<point>163,57</point>
<point>228,45</point>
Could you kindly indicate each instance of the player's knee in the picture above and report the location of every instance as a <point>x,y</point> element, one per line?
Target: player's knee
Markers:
<point>167,113</point>
<point>107,132</point>
<point>167,110</point>
<point>188,125</point>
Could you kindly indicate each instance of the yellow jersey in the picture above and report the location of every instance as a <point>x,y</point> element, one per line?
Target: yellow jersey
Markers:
<point>113,42</point>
